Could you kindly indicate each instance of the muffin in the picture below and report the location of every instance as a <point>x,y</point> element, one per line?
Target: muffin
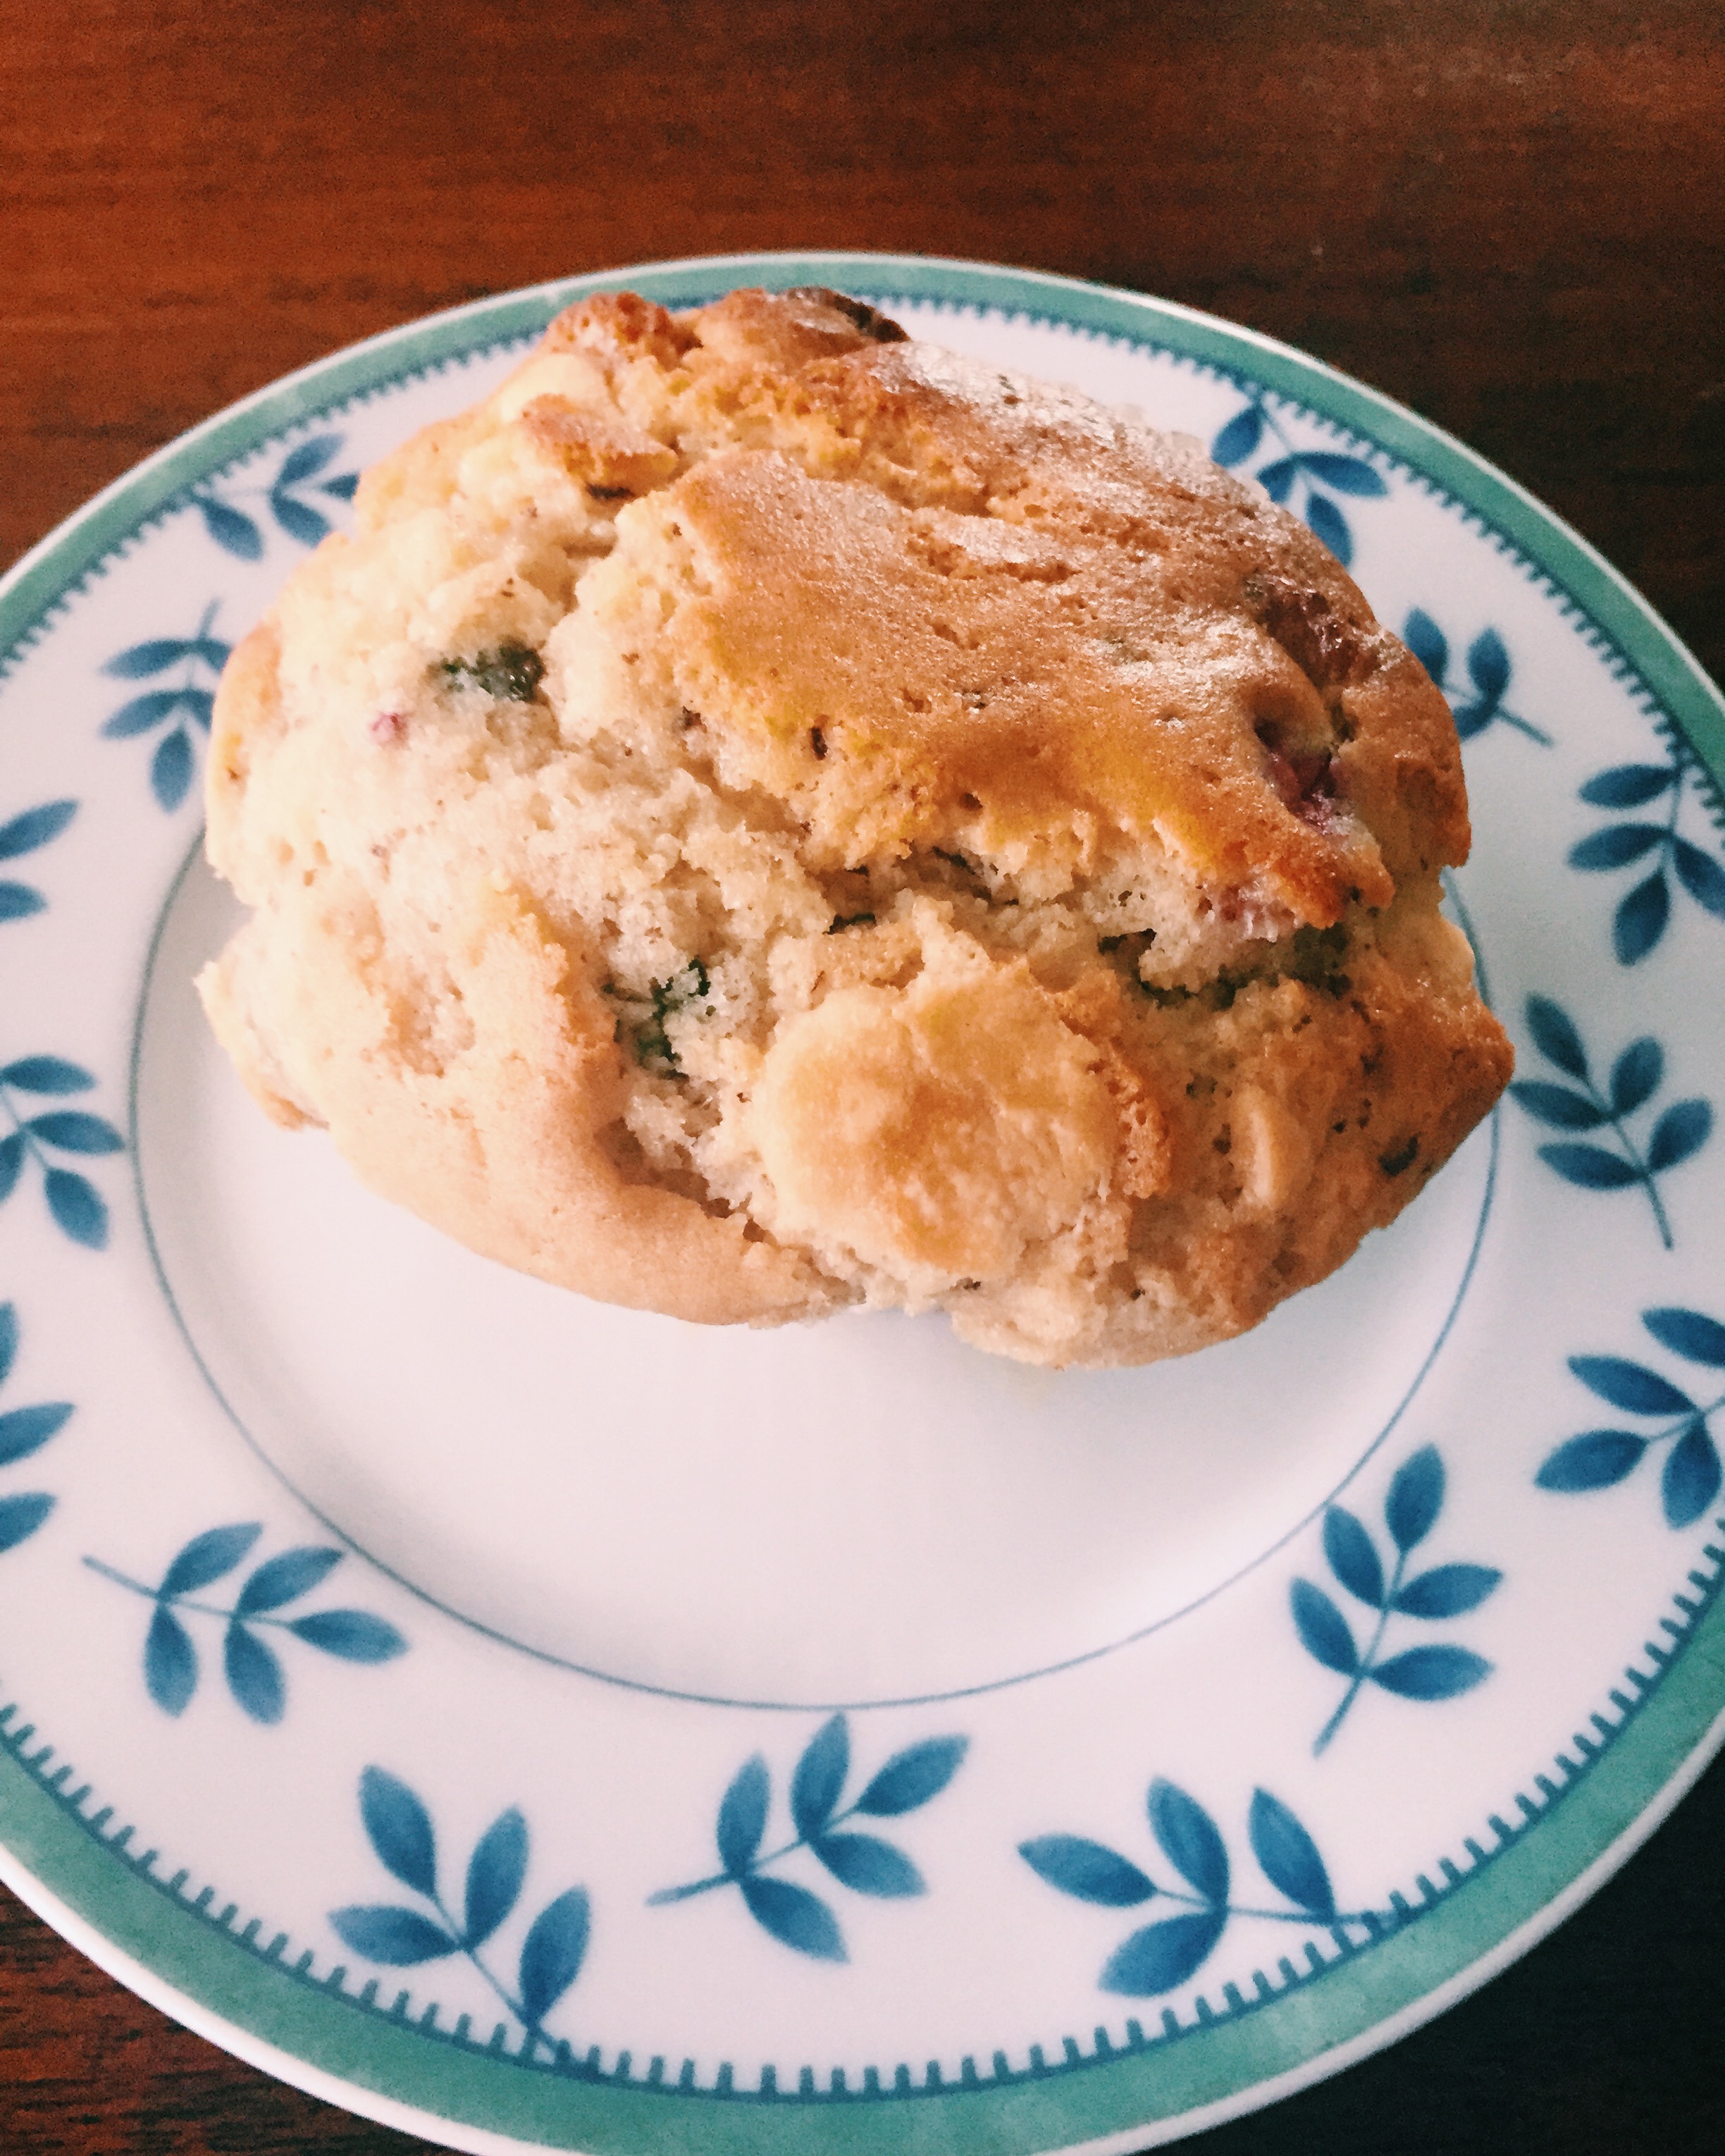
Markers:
<point>766,816</point>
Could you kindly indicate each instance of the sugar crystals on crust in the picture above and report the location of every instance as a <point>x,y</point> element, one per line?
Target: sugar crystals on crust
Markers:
<point>766,816</point>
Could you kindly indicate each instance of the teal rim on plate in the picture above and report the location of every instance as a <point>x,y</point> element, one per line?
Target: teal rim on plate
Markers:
<point>1135,2070</point>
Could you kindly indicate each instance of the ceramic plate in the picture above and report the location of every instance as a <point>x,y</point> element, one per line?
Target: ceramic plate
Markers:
<point>543,1725</point>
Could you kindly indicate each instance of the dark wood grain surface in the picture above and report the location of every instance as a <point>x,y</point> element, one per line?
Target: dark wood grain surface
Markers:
<point>1510,216</point>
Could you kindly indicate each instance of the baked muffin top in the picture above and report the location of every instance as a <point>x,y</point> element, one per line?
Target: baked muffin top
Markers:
<point>761,793</point>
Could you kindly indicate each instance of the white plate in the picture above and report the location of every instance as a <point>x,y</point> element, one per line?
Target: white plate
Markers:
<point>544,1725</point>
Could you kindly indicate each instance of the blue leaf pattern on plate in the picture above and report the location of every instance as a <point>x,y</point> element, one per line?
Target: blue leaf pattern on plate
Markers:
<point>1190,1840</point>
<point>818,1779</point>
<point>284,1578</point>
<point>1431,1673</point>
<point>1678,1132</point>
<point>553,1953</point>
<point>1331,526</point>
<point>395,1938</point>
<point>496,1872</point>
<point>171,768</point>
<point>170,1663</point>
<point>24,1432</point>
<point>45,1074</point>
<point>1416,1498</point>
<point>1088,1871</point>
<point>74,1204</point>
<point>1310,476</point>
<point>254,1675</point>
<point>144,713</point>
<point>1645,910</point>
<point>865,1863</point>
<point>742,1817</point>
<point>299,473</point>
<point>1288,1856</point>
<point>1164,1954</point>
<point>21,1516</point>
<point>233,530</point>
<point>351,1635</point>
<point>399,1828</point>
<point>1599,1459</point>
<point>1240,437</point>
<point>793,1917</point>
<point>77,1207</point>
<point>71,1130</point>
<point>868,1865</point>
<point>253,1671</point>
<point>1352,1556</point>
<point>206,1558</point>
<point>200,659</point>
<point>25,834</point>
<point>1481,703</point>
<point>1687,1333</point>
<point>1322,1630</point>
<point>912,1777</point>
<point>1447,1590</point>
<point>1411,1510</point>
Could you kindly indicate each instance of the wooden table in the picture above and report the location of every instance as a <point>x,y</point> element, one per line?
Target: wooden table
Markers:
<point>1510,215</point>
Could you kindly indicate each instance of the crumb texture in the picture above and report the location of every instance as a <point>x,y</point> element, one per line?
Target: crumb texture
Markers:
<point>765,815</point>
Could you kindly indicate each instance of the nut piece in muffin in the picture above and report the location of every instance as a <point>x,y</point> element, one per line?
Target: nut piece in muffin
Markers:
<point>766,815</point>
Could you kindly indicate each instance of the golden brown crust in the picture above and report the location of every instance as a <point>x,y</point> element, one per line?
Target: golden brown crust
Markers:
<point>1129,541</point>
<point>987,690</point>
<point>619,326</point>
<point>607,455</point>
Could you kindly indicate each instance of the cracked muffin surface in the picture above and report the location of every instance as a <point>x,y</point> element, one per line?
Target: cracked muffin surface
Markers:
<point>765,815</point>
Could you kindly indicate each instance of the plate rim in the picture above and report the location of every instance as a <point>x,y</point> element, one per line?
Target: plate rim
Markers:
<point>1609,1807</point>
